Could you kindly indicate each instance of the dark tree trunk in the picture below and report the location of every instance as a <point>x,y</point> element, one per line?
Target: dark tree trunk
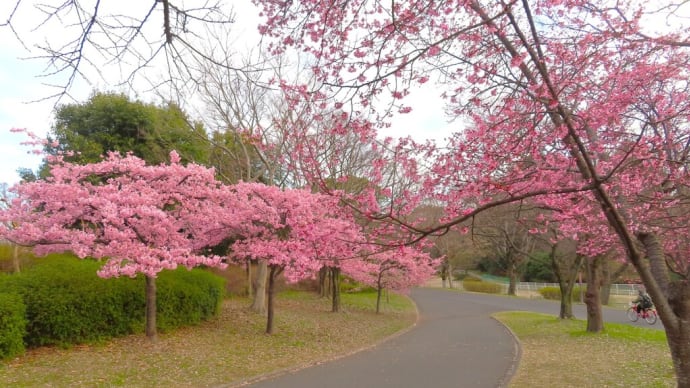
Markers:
<point>567,288</point>
<point>324,282</point>
<point>678,333</point>
<point>450,275</point>
<point>679,343</point>
<point>378,293</point>
<point>658,267</point>
<point>609,278</point>
<point>259,302</point>
<point>272,275</point>
<point>672,301</point>
<point>250,282</point>
<point>566,271</point>
<point>605,282</point>
<point>595,319</point>
<point>444,272</point>
<point>151,332</point>
<point>566,310</point>
<point>613,277</point>
<point>335,289</point>
<point>512,278</point>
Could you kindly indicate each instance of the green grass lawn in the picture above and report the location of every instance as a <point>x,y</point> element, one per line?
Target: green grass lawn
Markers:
<point>227,350</point>
<point>232,349</point>
<point>561,353</point>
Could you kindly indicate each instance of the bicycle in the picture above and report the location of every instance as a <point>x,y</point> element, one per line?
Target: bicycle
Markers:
<point>649,315</point>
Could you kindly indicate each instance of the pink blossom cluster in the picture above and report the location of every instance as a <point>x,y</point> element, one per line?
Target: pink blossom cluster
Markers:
<point>145,219</point>
<point>578,106</point>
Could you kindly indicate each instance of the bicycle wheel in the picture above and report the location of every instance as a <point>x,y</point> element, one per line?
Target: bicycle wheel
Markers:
<point>650,317</point>
<point>632,314</point>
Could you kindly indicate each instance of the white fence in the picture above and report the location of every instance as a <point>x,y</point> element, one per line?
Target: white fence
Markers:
<point>616,289</point>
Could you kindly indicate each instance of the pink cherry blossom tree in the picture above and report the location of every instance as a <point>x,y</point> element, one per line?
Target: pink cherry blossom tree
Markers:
<point>337,245</point>
<point>295,234</point>
<point>571,102</point>
<point>397,269</point>
<point>140,219</point>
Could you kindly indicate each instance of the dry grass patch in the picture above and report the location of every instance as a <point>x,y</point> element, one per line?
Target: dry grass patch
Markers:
<point>226,351</point>
<point>561,353</point>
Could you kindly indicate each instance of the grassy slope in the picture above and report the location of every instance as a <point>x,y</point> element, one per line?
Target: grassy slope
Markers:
<point>561,353</point>
<point>227,350</point>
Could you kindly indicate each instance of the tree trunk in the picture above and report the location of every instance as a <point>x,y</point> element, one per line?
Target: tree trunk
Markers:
<point>273,274</point>
<point>595,319</point>
<point>672,301</point>
<point>566,271</point>
<point>678,331</point>
<point>259,303</point>
<point>335,287</point>
<point>15,259</point>
<point>612,278</point>
<point>250,285</point>
<point>378,293</point>
<point>679,341</point>
<point>512,277</point>
<point>450,275</point>
<point>566,310</point>
<point>657,265</point>
<point>324,286</point>
<point>444,272</point>
<point>151,332</point>
<point>605,282</point>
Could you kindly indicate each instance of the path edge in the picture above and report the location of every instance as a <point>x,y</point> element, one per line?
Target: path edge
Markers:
<point>517,355</point>
<point>296,368</point>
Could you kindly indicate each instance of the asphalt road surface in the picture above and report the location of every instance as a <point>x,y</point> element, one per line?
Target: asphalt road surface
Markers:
<point>455,343</point>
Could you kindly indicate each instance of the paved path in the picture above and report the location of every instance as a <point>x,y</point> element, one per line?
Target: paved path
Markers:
<point>454,344</point>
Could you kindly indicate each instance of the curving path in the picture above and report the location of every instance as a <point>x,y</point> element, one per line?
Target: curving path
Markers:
<point>455,343</point>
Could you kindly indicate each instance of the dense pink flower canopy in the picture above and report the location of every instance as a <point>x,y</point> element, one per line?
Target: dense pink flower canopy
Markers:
<point>396,269</point>
<point>144,219</point>
<point>582,106</point>
<point>141,219</point>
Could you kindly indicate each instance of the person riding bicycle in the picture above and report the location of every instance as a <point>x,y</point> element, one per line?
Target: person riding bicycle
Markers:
<point>643,301</point>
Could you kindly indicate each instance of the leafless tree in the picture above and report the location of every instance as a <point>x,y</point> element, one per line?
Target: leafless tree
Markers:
<point>132,37</point>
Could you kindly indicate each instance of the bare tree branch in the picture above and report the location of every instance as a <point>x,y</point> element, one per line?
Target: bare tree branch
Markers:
<point>92,35</point>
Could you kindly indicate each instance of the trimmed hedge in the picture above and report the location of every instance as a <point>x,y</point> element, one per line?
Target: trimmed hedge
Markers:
<point>12,325</point>
<point>475,285</point>
<point>187,297</point>
<point>554,293</point>
<point>67,303</point>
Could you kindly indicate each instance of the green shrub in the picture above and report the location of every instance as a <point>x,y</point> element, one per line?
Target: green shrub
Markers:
<point>476,285</point>
<point>67,303</point>
<point>187,297</point>
<point>12,325</point>
<point>539,269</point>
<point>554,293</point>
<point>350,286</point>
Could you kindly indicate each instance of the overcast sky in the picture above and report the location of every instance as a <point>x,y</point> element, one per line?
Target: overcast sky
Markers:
<point>22,86</point>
